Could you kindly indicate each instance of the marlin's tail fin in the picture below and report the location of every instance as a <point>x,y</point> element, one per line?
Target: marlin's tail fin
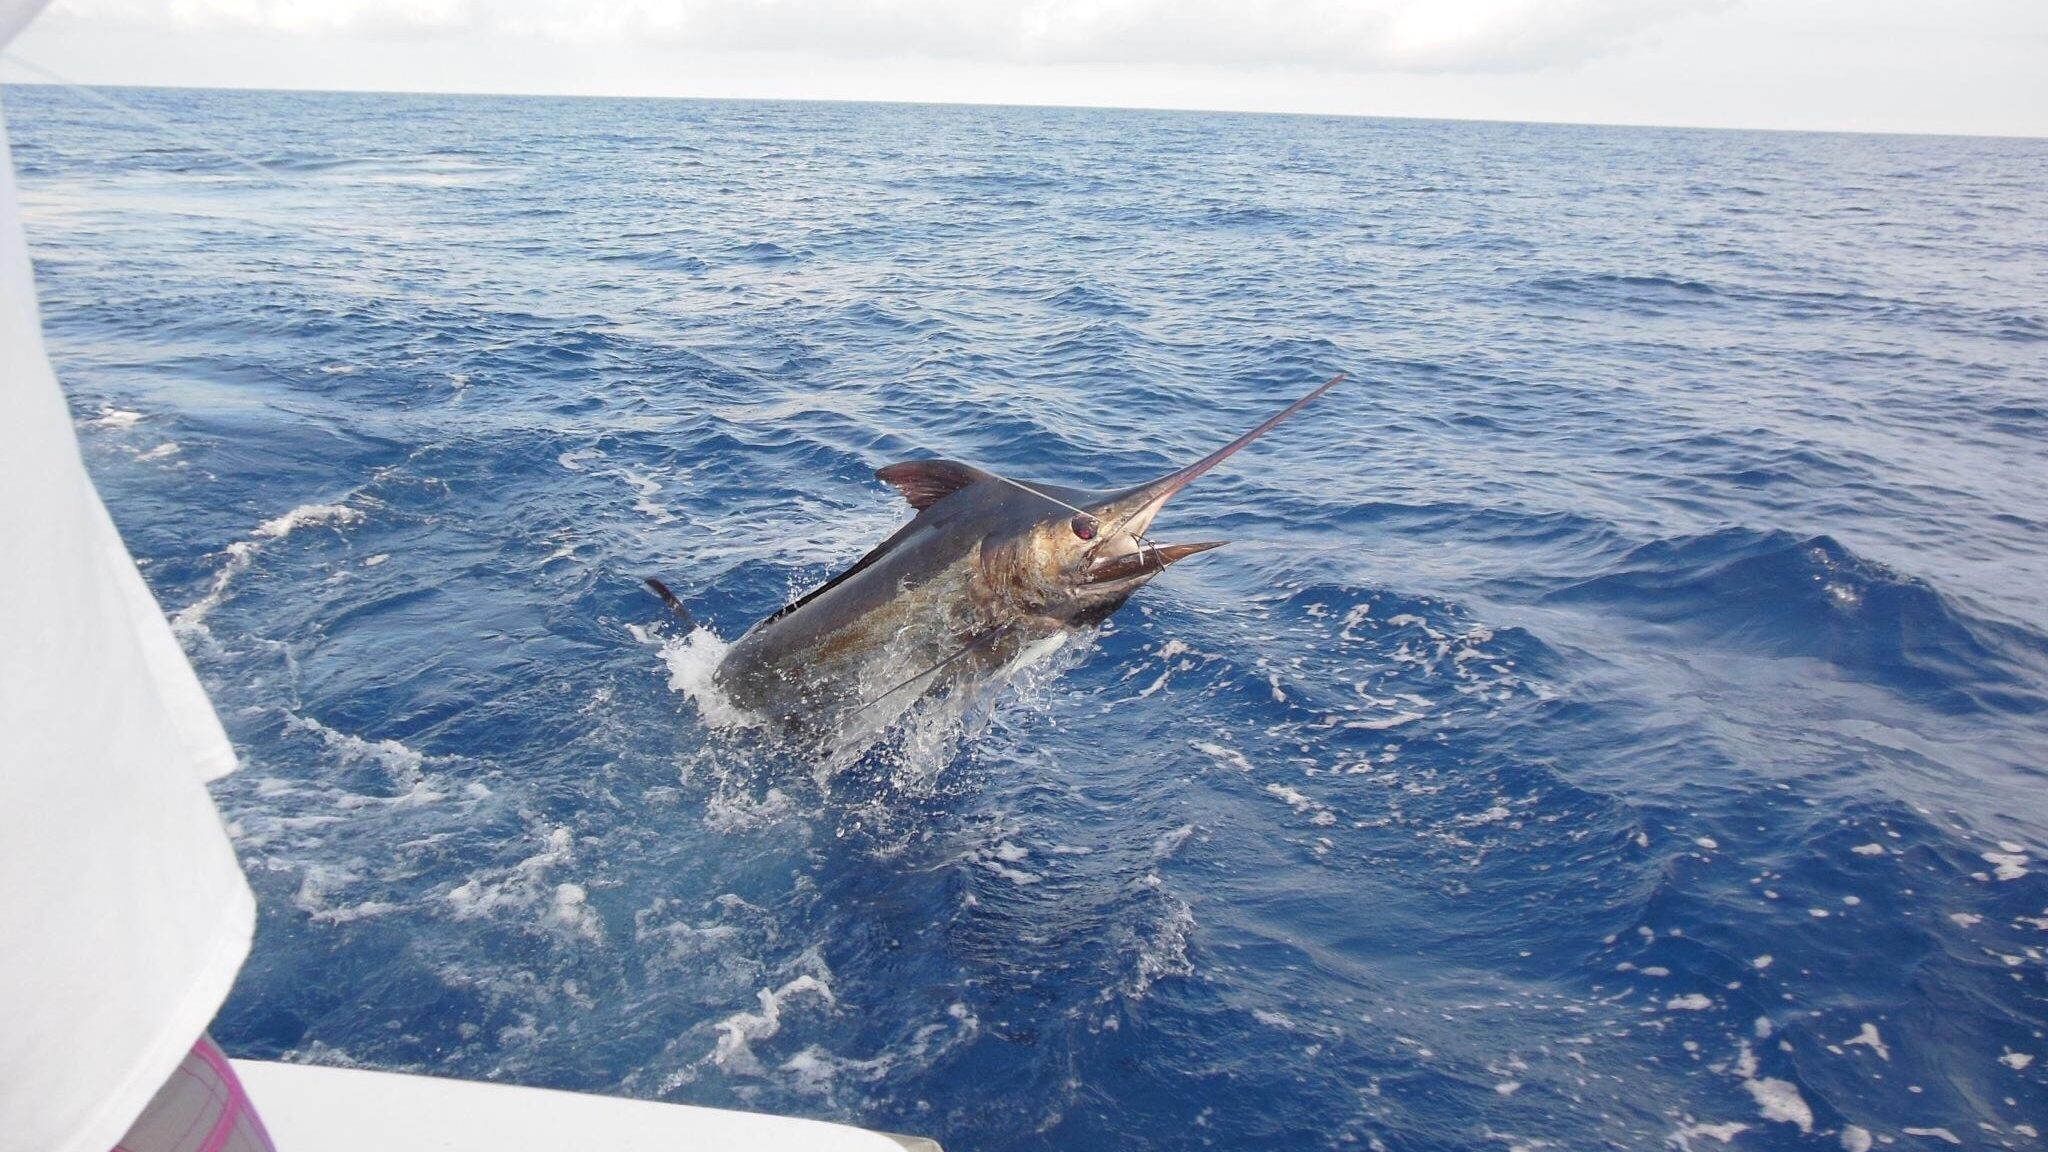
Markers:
<point>674,602</point>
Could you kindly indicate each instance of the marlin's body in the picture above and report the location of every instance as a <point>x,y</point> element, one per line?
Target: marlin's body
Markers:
<point>920,596</point>
<point>988,568</point>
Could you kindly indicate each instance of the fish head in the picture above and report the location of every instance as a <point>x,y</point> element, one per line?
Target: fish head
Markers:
<point>1100,552</point>
<point>1088,552</point>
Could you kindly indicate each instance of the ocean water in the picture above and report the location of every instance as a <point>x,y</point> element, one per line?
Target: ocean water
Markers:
<point>1620,720</point>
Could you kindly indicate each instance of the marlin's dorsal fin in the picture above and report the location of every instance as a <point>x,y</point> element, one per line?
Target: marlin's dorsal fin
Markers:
<point>926,482</point>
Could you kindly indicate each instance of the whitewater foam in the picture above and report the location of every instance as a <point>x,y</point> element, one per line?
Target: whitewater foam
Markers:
<point>526,892</point>
<point>191,620</point>
<point>738,1032</point>
<point>402,765</point>
<point>692,660</point>
<point>307,515</point>
<point>1776,1100</point>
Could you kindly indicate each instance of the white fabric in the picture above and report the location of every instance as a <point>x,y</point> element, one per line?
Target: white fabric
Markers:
<point>312,1109</point>
<point>123,913</point>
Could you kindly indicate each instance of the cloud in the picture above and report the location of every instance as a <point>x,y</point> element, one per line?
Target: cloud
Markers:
<point>364,18</point>
<point>1417,36</point>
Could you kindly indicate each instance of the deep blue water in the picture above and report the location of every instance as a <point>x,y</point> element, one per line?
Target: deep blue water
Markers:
<point>1621,720</point>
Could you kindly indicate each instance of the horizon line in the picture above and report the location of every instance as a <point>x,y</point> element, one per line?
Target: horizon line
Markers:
<point>59,82</point>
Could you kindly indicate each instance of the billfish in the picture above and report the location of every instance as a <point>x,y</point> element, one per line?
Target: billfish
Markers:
<point>987,571</point>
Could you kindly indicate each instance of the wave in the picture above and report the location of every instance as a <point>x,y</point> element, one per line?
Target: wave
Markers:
<point>1780,594</point>
<point>1649,294</point>
<point>1093,301</point>
<point>763,252</point>
<point>1250,217</point>
<point>656,260</point>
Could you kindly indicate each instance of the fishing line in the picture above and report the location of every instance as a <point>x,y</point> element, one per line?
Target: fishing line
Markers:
<point>1146,544</point>
<point>985,639</point>
<point>261,169</point>
<point>164,126</point>
<point>1143,540</point>
<point>1021,487</point>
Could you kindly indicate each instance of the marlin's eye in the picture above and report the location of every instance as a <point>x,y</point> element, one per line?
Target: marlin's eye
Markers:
<point>1083,526</point>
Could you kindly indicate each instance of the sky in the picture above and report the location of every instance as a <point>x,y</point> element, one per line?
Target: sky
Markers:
<point>1960,66</point>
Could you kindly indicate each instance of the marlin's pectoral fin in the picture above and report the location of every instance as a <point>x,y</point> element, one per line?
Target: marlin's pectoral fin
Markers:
<point>926,482</point>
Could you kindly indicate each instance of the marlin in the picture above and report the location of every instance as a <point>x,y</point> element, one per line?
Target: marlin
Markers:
<point>988,570</point>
